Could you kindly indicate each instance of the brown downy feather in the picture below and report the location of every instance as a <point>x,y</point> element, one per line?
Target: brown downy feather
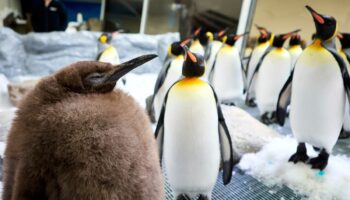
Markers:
<point>71,141</point>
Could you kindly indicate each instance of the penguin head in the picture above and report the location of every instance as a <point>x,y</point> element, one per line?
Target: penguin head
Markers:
<point>105,38</point>
<point>193,65</point>
<point>232,38</point>
<point>96,77</point>
<point>326,26</point>
<point>209,35</point>
<point>279,40</point>
<point>344,39</point>
<point>295,39</point>
<point>219,36</point>
<point>265,35</point>
<point>176,48</point>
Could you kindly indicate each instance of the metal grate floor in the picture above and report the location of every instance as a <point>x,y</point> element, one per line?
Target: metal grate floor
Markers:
<point>245,187</point>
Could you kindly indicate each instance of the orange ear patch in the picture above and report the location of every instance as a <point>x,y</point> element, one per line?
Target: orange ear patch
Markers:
<point>197,31</point>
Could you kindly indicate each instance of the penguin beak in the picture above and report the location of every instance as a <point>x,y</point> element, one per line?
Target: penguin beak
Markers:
<point>185,42</point>
<point>340,36</point>
<point>236,37</point>
<point>120,70</point>
<point>317,17</point>
<point>196,33</point>
<point>287,35</point>
<point>262,31</point>
<point>223,32</point>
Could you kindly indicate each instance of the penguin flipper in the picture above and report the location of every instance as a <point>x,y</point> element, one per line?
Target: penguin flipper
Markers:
<point>162,75</point>
<point>284,100</point>
<point>343,70</point>
<point>159,134</point>
<point>226,148</point>
<point>255,73</point>
<point>99,56</point>
<point>225,145</point>
<point>244,76</point>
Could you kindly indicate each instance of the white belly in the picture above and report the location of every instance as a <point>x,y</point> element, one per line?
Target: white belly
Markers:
<point>227,75</point>
<point>214,50</point>
<point>256,55</point>
<point>318,99</point>
<point>273,73</point>
<point>191,140</point>
<point>196,47</point>
<point>173,75</point>
<point>295,52</point>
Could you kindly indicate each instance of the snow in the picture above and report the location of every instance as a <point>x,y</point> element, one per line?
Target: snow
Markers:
<point>271,166</point>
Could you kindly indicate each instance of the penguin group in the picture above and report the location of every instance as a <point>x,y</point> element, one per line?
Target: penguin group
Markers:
<point>311,86</point>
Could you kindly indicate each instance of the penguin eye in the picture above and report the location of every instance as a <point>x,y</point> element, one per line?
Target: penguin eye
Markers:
<point>95,76</point>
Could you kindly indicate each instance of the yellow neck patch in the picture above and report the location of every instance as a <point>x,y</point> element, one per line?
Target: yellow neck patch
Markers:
<point>193,81</point>
<point>316,44</point>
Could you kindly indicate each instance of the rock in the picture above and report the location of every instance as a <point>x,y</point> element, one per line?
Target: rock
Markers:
<point>248,134</point>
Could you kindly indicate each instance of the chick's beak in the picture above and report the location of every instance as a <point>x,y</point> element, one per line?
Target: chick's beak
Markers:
<point>120,70</point>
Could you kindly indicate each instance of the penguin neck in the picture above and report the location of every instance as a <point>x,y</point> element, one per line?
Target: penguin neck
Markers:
<point>179,57</point>
<point>193,80</point>
<point>295,46</point>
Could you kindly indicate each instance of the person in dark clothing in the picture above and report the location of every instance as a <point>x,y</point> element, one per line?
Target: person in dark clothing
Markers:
<point>48,15</point>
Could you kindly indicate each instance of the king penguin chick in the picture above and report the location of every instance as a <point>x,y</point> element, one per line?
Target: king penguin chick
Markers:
<point>344,51</point>
<point>263,42</point>
<point>108,53</point>
<point>170,73</point>
<point>213,48</point>
<point>316,91</point>
<point>227,75</point>
<point>196,46</point>
<point>76,138</point>
<point>295,48</point>
<point>192,134</point>
<point>270,75</point>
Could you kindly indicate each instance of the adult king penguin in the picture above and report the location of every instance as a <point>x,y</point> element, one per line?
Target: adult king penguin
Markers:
<point>192,134</point>
<point>213,48</point>
<point>316,91</point>
<point>196,46</point>
<point>264,41</point>
<point>170,73</point>
<point>74,137</point>
<point>227,76</point>
<point>295,48</point>
<point>344,39</point>
<point>108,53</point>
<point>270,74</point>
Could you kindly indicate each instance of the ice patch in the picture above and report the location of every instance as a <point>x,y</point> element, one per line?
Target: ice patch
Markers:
<point>271,166</point>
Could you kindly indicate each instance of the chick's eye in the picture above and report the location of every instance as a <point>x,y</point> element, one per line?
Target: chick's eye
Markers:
<point>95,76</point>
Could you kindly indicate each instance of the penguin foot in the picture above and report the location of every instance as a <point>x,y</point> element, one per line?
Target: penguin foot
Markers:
<point>203,197</point>
<point>344,134</point>
<point>300,155</point>
<point>316,148</point>
<point>269,118</point>
<point>182,197</point>
<point>321,161</point>
<point>250,103</point>
<point>229,103</point>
